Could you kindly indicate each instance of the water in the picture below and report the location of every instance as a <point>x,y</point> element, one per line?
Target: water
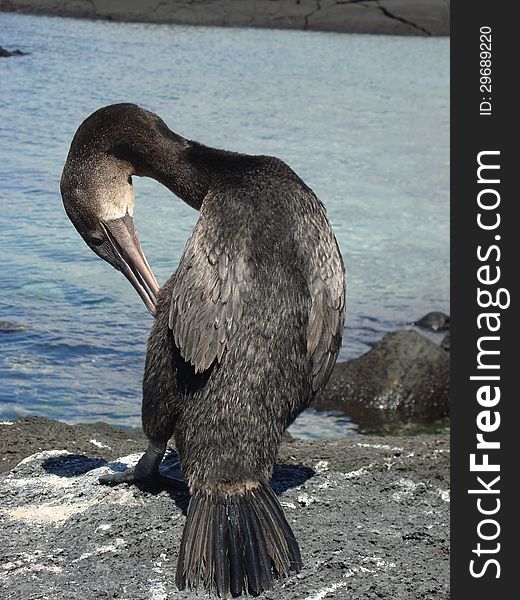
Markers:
<point>362,119</point>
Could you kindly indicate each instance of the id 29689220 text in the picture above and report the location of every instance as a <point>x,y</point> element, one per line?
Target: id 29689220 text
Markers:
<point>485,71</point>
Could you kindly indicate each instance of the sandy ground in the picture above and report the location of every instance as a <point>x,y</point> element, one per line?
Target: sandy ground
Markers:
<point>371,515</point>
<point>402,17</point>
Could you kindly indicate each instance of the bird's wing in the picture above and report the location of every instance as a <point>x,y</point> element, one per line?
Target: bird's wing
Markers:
<point>207,298</point>
<point>327,313</point>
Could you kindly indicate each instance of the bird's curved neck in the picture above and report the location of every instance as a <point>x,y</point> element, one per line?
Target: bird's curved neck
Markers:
<point>181,165</point>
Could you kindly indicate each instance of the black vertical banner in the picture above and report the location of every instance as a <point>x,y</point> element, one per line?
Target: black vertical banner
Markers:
<point>485,364</point>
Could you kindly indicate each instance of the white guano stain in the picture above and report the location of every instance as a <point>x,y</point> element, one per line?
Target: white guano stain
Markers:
<point>99,444</point>
<point>408,488</point>
<point>47,482</point>
<point>358,472</point>
<point>322,466</point>
<point>118,543</point>
<point>444,494</point>
<point>323,593</point>
<point>380,446</point>
<point>157,590</point>
<point>49,513</point>
<point>379,563</point>
<point>41,456</point>
<point>13,569</point>
<point>306,499</point>
<point>26,564</point>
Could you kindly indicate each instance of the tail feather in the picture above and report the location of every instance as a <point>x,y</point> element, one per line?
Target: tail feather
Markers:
<point>190,531</point>
<point>293,549</point>
<point>219,548</point>
<point>236,542</point>
<point>251,552</point>
<point>236,563</point>
<point>257,534</point>
<point>200,526</point>
<point>207,567</point>
<point>276,543</point>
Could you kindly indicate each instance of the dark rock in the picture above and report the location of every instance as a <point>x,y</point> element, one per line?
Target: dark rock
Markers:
<point>28,435</point>
<point>383,504</point>
<point>4,52</point>
<point>435,321</point>
<point>445,344</point>
<point>11,326</point>
<point>403,379</point>
<point>399,17</point>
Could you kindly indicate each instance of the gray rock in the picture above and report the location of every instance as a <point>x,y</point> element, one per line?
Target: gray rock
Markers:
<point>401,17</point>
<point>445,344</point>
<point>6,53</point>
<point>404,378</point>
<point>435,321</point>
<point>371,514</point>
<point>25,436</point>
<point>11,326</point>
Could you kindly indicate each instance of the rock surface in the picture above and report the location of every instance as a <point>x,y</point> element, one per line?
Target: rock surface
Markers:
<point>5,53</point>
<point>29,435</point>
<point>404,378</point>
<point>445,344</point>
<point>371,515</point>
<point>403,17</point>
<point>434,321</point>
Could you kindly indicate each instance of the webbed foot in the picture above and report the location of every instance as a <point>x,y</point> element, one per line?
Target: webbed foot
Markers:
<point>131,476</point>
<point>147,471</point>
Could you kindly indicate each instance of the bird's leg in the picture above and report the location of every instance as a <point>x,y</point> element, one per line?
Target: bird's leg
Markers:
<point>159,412</point>
<point>148,466</point>
<point>146,470</point>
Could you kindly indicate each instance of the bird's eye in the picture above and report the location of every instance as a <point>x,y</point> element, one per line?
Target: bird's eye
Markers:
<point>96,240</point>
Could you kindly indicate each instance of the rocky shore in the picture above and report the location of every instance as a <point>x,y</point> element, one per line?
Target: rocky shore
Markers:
<point>404,379</point>
<point>401,382</point>
<point>371,514</point>
<point>4,53</point>
<point>399,17</point>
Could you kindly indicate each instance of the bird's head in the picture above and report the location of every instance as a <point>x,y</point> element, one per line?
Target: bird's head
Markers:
<point>98,196</point>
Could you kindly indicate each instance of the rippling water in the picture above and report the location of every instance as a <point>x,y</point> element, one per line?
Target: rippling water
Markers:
<point>362,119</point>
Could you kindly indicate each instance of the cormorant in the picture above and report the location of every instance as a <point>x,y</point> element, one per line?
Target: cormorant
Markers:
<point>247,329</point>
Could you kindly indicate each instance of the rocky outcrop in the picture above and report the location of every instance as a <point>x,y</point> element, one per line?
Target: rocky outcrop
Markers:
<point>434,321</point>
<point>28,435</point>
<point>445,344</point>
<point>371,515</point>
<point>403,17</point>
<point>5,53</point>
<point>404,378</point>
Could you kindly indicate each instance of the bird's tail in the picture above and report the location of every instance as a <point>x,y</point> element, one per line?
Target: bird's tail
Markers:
<point>236,541</point>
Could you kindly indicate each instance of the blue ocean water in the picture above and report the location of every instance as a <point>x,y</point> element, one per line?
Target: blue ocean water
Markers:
<point>362,119</point>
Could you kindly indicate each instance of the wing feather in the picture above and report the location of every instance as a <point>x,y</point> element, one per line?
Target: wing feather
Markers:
<point>206,298</point>
<point>211,288</point>
<point>327,312</point>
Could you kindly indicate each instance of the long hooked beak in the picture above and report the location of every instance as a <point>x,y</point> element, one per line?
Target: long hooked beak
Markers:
<point>122,235</point>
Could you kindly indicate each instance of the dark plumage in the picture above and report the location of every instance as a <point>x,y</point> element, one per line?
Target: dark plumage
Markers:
<point>247,329</point>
